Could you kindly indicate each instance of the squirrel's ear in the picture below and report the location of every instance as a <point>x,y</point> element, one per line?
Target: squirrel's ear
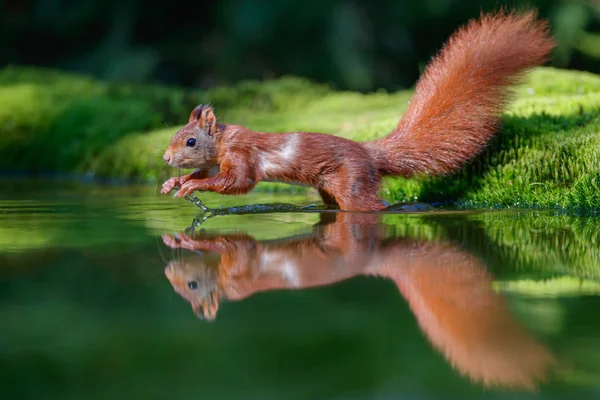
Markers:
<point>205,117</point>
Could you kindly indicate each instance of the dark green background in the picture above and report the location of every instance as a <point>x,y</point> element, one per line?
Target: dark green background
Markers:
<point>356,44</point>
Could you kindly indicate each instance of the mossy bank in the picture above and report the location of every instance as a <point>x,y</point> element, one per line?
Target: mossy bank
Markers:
<point>547,154</point>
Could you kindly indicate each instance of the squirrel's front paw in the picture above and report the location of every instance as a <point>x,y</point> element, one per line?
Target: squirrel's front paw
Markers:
<point>180,240</point>
<point>170,240</point>
<point>169,185</point>
<point>189,187</point>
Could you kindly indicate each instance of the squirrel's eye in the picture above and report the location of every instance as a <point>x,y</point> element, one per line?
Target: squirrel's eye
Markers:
<point>193,285</point>
<point>191,142</point>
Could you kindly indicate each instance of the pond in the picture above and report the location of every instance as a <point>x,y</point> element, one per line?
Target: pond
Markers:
<point>118,292</point>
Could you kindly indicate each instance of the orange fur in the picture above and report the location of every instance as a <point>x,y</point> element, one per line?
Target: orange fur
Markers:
<point>456,106</point>
<point>448,289</point>
<point>454,112</point>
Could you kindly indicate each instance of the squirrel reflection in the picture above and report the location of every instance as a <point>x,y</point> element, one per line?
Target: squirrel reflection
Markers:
<point>447,288</point>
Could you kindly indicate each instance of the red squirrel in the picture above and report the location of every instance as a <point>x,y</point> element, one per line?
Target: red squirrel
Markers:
<point>448,289</point>
<point>453,114</point>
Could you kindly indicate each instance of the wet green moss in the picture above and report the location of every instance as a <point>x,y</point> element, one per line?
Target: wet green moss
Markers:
<point>545,156</point>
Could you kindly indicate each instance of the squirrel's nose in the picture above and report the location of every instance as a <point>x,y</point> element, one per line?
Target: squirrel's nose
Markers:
<point>167,156</point>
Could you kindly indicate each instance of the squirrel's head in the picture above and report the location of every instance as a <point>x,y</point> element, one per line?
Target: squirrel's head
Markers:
<point>194,145</point>
<point>198,283</point>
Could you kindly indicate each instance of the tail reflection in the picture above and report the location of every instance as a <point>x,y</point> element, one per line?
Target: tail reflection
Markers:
<point>447,288</point>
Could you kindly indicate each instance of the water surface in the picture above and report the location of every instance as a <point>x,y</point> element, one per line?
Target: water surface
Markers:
<point>115,292</point>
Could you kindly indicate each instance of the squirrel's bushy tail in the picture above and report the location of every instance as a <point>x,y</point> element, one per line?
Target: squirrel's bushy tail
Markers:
<point>457,103</point>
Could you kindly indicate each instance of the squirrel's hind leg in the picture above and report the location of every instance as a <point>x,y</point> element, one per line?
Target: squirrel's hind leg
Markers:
<point>327,198</point>
<point>366,202</point>
<point>348,198</point>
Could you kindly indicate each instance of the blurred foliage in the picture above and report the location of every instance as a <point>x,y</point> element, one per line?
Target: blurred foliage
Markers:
<point>55,121</point>
<point>352,44</point>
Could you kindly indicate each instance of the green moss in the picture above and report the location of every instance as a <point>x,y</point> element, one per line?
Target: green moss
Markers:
<point>545,156</point>
<point>539,161</point>
<point>59,122</point>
